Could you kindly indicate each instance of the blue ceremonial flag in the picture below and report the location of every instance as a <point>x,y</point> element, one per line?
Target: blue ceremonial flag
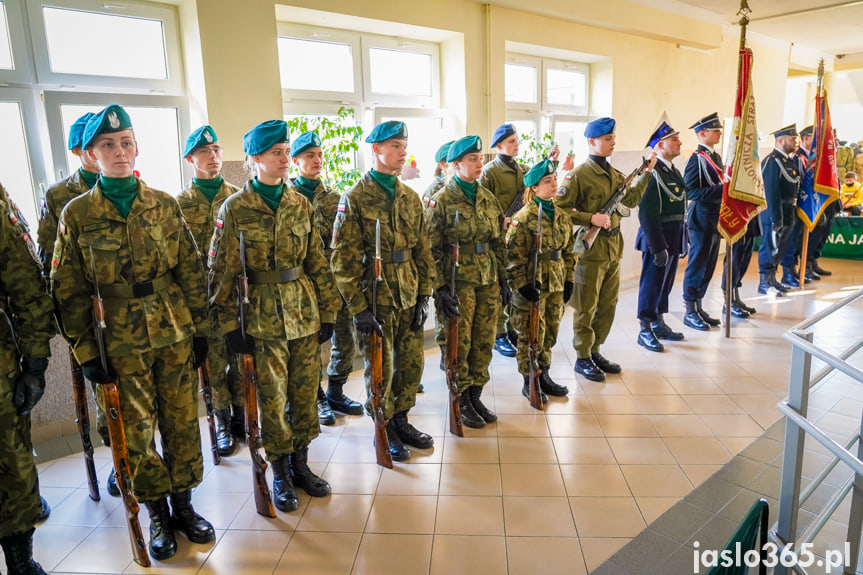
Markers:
<point>820,184</point>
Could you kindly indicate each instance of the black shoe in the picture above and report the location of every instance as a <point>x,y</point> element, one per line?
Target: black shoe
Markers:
<point>820,271</point>
<point>712,322</point>
<point>225,442</point>
<point>475,391</point>
<point>692,318</point>
<point>325,412</point>
<point>503,346</point>
<point>663,331</point>
<point>790,279</point>
<point>549,386</point>
<point>469,416</point>
<point>18,549</point>
<point>398,450</point>
<point>736,311</point>
<point>735,296</point>
<point>113,489</point>
<point>586,367</point>
<point>238,422</point>
<point>162,544</point>
<point>647,339</point>
<point>45,512</point>
<point>525,390</point>
<point>410,434</point>
<point>284,493</point>
<point>777,285</point>
<point>196,528</point>
<point>604,364</point>
<point>809,275</point>
<point>304,477</point>
<point>339,401</point>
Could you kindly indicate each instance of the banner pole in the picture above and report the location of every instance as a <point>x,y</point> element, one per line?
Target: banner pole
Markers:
<point>804,252</point>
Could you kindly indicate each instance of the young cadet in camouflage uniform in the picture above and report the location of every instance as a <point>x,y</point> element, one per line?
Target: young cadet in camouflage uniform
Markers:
<point>308,155</point>
<point>200,203</point>
<point>557,262</point>
<point>23,359</point>
<point>597,276</point>
<point>292,305</point>
<point>133,241</point>
<point>403,293</point>
<point>481,271</point>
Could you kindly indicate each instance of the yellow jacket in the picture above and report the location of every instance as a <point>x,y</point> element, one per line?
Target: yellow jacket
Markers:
<point>852,195</point>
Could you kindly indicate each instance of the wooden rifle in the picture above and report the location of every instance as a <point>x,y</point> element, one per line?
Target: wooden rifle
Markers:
<point>117,434</point>
<point>82,418</point>
<point>263,501</point>
<point>376,385</point>
<point>451,360</point>
<point>207,392</point>
<point>535,393</point>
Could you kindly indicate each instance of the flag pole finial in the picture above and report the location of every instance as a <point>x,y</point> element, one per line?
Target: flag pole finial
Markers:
<point>744,13</point>
<point>820,87</point>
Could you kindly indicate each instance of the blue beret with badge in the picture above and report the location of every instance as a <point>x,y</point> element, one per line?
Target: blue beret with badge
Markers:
<point>388,131</point>
<point>440,155</point>
<point>709,122</point>
<point>203,136</point>
<point>76,132</point>
<point>807,131</point>
<point>263,136</point>
<point>789,130</point>
<point>662,132</point>
<point>538,172</point>
<point>600,127</point>
<point>304,142</point>
<point>112,119</point>
<point>502,132</point>
<point>462,146</point>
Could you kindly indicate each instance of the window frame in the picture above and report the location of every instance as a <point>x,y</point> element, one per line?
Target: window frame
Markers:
<point>548,64</point>
<point>167,14</point>
<point>22,64</point>
<point>402,45</point>
<point>535,62</point>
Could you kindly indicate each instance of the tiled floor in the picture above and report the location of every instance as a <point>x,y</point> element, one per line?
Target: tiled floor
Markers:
<point>563,490</point>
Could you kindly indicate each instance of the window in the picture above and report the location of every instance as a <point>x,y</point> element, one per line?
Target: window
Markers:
<point>301,65</point>
<point>521,83</point>
<point>400,73</point>
<point>565,88</point>
<point>5,45</point>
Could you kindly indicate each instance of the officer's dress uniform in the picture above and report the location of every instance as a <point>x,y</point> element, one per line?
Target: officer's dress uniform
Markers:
<point>795,242</point>
<point>781,186</point>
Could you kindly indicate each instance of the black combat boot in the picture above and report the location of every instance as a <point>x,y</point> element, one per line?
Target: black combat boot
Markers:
<point>692,318</point>
<point>789,276</point>
<point>586,367</point>
<point>475,391</point>
<point>647,339</point>
<point>304,477</point>
<point>238,422</point>
<point>736,310</point>
<point>469,416</point>
<point>663,331</point>
<point>810,275</point>
<point>777,284</point>
<point>735,296</point>
<point>764,283</point>
<point>397,449</point>
<point>525,390</point>
<point>196,528</point>
<point>604,364</point>
<point>549,386</point>
<point>46,511</point>
<point>410,434</point>
<point>712,322</point>
<point>284,494</point>
<point>113,488</point>
<point>325,412</point>
<point>18,549</point>
<point>225,441</point>
<point>819,270</point>
<point>339,401</point>
<point>162,545</point>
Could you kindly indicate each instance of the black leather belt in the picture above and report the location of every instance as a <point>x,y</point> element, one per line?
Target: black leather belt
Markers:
<point>143,289</point>
<point>276,277</point>
<point>609,233</point>
<point>397,257</point>
<point>789,201</point>
<point>552,255</point>
<point>474,248</point>
<point>673,218</point>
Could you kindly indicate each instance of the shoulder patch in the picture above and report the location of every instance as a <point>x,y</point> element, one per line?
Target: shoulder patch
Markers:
<point>514,223</point>
<point>31,247</point>
<point>63,228</point>
<point>220,222</point>
<point>432,203</point>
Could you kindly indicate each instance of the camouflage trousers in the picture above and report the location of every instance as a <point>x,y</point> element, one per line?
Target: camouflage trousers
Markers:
<point>504,320</point>
<point>597,283</point>
<point>344,346</point>
<point>551,309</point>
<point>479,307</point>
<point>288,373</point>
<point>224,374</point>
<point>101,419</point>
<point>402,360</point>
<point>20,505</point>
<point>159,387</point>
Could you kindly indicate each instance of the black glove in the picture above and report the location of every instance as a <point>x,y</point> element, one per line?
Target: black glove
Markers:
<point>660,259</point>
<point>567,291</point>
<point>200,347</point>
<point>326,332</point>
<point>93,371</point>
<point>421,312</point>
<point>237,345</point>
<point>366,323</point>
<point>505,293</point>
<point>30,384</point>
<point>447,302</point>
<point>529,292</point>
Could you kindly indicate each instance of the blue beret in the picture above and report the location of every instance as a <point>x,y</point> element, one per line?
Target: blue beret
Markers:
<point>263,136</point>
<point>789,130</point>
<point>76,132</point>
<point>662,132</point>
<point>112,119</point>
<point>503,132</point>
<point>599,127</point>
<point>304,142</point>
<point>709,122</point>
<point>807,131</point>
<point>441,153</point>
<point>538,172</point>
<point>462,146</point>
<point>203,136</point>
<point>388,131</point>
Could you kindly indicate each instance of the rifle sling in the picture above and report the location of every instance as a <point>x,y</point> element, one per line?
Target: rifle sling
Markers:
<point>143,289</point>
<point>609,233</point>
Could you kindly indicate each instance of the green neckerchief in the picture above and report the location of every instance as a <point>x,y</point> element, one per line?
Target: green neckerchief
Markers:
<point>468,189</point>
<point>272,195</point>
<point>306,187</point>
<point>208,187</point>
<point>89,177</point>
<point>387,182</point>
<point>121,192</point>
<point>547,207</point>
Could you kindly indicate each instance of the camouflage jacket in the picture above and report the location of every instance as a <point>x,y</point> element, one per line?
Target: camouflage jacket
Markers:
<point>53,203</point>
<point>402,230</point>
<point>273,242</point>
<point>505,182</point>
<point>325,204</point>
<point>200,213</point>
<point>434,187</point>
<point>479,223</point>
<point>152,244</point>
<point>25,302</point>
<point>521,245</point>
